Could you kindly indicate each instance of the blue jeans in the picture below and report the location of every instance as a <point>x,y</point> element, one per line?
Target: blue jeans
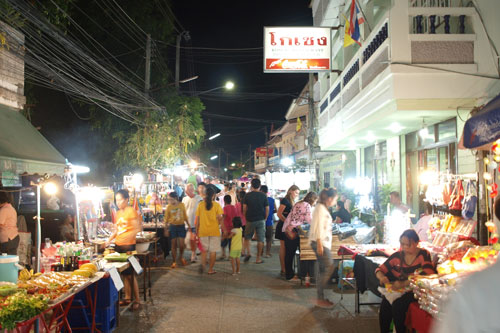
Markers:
<point>324,269</point>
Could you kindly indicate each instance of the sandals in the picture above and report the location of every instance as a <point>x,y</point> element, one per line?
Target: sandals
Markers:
<point>212,272</point>
<point>135,306</point>
<point>125,302</point>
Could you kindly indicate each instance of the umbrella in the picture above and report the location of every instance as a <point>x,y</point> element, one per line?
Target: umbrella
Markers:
<point>484,127</point>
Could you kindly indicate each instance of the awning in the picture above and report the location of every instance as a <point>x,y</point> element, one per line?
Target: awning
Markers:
<point>23,148</point>
<point>483,128</point>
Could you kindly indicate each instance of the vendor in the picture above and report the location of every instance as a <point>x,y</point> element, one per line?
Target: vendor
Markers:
<point>67,229</point>
<point>422,226</point>
<point>395,270</point>
<point>341,215</point>
<point>396,202</point>
<point>127,227</point>
<point>9,236</point>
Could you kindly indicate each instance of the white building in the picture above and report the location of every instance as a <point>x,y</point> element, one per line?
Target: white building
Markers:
<point>422,64</point>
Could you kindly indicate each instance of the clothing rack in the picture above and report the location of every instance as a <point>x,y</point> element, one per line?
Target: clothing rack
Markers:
<point>474,177</point>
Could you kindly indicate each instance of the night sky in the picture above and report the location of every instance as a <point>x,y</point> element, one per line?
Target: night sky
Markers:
<point>221,24</point>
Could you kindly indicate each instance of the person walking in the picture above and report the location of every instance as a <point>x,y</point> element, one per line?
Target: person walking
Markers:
<point>301,213</point>
<point>9,235</point>
<point>239,211</point>
<point>175,219</point>
<point>284,209</point>
<point>209,217</point>
<point>236,245</point>
<point>229,213</point>
<point>320,238</point>
<point>127,227</point>
<point>269,221</point>
<point>256,210</point>
<point>191,201</point>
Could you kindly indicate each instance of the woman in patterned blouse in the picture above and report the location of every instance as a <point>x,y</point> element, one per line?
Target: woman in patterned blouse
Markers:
<point>301,213</point>
<point>396,270</point>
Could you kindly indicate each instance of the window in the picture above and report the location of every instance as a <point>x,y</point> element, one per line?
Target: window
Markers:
<point>447,130</point>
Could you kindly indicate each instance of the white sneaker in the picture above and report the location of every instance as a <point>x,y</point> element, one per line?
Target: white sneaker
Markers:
<point>194,258</point>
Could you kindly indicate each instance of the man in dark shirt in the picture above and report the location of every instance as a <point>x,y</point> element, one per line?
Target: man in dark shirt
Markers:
<point>256,210</point>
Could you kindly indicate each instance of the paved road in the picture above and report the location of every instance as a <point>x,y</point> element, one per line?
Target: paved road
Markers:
<point>257,300</point>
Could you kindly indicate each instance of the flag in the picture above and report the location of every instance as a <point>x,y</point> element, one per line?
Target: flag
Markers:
<point>351,32</point>
<point>299,124</point>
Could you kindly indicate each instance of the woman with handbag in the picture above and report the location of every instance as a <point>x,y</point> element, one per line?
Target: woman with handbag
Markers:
<point>301,213</point>
<point>285,207</point>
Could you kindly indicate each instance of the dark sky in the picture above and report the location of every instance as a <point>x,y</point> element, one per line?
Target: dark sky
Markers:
<point>239,24</point>
<point>211,24</point>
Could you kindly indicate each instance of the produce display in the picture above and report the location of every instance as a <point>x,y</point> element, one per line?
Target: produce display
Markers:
<point>20,307</point>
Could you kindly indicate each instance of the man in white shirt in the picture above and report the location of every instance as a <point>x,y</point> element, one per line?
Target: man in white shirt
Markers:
<point>476,304</point>
<point>191,201</point>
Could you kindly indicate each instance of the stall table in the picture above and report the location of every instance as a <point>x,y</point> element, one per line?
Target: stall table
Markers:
<point>364,277</point>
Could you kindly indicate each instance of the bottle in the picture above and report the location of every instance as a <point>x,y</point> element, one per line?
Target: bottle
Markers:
<point>308,281</point>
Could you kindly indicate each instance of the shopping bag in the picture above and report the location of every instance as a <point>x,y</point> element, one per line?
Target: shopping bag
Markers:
<point>470,201</point>
<point>457,196</point>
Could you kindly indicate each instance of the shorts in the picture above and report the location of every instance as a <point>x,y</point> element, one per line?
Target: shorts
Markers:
<point>226,242</point>
<point>125,249</point>
<point>234,254</point>
<point>210,243</point>
<point>259,227</point>
<point>269,233</point>
<point>177,231</point>
<point>279,231</point>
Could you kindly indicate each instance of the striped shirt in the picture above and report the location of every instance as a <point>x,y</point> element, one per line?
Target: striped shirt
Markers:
<point>395,268</point>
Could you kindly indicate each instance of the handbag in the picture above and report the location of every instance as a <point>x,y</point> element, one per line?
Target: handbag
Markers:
<point>457,196</point>
<point>470,201</point>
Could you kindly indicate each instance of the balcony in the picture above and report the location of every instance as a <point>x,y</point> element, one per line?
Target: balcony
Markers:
<point>407,69</point>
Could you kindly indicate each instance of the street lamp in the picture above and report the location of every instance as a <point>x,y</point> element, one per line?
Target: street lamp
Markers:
<point>214,136</point>
<point>229,85</point>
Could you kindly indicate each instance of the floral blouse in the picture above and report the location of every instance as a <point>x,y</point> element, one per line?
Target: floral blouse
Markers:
<point>301,213</point>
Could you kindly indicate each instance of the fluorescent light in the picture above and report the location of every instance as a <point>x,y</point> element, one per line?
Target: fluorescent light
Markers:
<point>287,161</point>
<point>233,164</point>
<point>395,128</point>
<point>424,133</point>
<point>214,136</point>
<point>80,169</point>
<point>213,157</point>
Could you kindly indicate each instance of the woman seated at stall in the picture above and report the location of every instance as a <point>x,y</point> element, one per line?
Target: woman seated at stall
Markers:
<point>341,215</point>
<point>395,270</point>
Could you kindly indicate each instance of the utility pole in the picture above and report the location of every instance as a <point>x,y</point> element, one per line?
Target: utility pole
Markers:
<point>267,146</point>
<point>147,79</point>
<point>312,140</point>
<point>177,60</point>
<point>219,158</point>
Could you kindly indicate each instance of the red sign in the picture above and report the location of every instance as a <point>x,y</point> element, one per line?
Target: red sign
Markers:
<point>261,152</point>
<point>297,64</point>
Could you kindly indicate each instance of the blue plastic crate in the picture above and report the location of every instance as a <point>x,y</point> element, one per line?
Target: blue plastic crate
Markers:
<point>107,295</point>
<point>77,314</point>
<point>106,318</point>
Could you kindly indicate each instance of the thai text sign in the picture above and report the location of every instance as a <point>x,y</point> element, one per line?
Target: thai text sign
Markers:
<point>297,49</point>
<point>261,152</point>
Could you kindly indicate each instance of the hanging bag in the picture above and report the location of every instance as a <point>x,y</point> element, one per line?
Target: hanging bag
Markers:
<point>457,196</point>
<point>470,201</point>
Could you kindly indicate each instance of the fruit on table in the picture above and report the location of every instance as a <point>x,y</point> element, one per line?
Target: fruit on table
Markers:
<point>89,267</point>
<point>25,275</point>
<point>83,272</point>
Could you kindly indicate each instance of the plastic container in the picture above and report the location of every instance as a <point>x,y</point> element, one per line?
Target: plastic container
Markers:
<point>9,268</point>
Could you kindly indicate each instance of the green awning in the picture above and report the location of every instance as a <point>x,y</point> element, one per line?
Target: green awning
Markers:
<point>23,148</point>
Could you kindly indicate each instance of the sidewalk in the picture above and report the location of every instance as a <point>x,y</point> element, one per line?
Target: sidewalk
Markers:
<point>257,300</point>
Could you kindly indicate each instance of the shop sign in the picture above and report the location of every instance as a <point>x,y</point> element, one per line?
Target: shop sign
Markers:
<point>297,49</point>
<point>261,152</point>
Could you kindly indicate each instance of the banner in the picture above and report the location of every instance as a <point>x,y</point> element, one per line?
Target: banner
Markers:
<point>297,49</point>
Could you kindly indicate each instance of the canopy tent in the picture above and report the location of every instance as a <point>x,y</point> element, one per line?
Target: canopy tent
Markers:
<point>483,128</point>
<point>24,149</point>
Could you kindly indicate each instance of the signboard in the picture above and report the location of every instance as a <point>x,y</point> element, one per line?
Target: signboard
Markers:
<point>297,49</point>
<point>261,152</point>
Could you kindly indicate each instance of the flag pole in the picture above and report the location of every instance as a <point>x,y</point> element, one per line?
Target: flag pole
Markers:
<point>363,13</point>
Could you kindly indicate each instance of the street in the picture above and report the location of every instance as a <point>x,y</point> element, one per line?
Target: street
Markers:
<point>256,300</point>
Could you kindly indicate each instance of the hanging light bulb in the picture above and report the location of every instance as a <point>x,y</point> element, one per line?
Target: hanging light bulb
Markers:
<point>486,160</point>
<point>497,158</point>
<point>487,176</point>
<point>492,165</point>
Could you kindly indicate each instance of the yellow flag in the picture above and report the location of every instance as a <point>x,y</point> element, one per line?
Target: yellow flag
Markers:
<point>347,38</point>
<point>299,125</point>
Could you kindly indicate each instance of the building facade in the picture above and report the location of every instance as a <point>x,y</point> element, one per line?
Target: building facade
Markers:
<point>399,101</point>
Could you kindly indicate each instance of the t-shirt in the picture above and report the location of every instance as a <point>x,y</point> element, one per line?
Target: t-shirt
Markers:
<point>272,210</point>
<point>127,225</point>
<point>238,207</point>
<point>395,268</point>
<point>8,223</point>
<point>256,206</point>
<point>191,204</point>
<point>236,243</point>
<point>209,225</point>
<point>343,215</point>
<point>229,213</point>
<point>176,214</point>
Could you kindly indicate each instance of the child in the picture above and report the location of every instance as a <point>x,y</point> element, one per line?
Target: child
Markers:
<point>175,218</point>
<point>229,214</point>
<point>236,245</point>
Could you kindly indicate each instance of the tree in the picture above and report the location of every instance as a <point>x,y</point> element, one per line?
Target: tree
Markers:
<point>164,138</point>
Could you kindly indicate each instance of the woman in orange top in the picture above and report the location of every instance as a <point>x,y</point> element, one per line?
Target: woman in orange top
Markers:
<point>126,229</point>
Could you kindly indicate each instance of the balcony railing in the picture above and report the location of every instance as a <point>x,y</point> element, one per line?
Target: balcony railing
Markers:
<point>369,61</point>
